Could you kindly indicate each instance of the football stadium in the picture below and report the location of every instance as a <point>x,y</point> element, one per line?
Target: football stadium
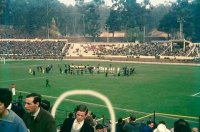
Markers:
<point>119,69</point>
<point>160,90</point>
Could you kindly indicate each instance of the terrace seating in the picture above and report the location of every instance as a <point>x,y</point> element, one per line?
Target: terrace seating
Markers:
<point>27,49</point>
<point>56,50</point>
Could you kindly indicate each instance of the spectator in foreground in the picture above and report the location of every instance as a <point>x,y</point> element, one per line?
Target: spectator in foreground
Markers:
<point>37,119</point>
<point>132,125</point>
<point>78,123</point>
<point>99,128</point>
<point>119,125</point>
<point>161,127</point>
<point>194,129</point>
<point>181,126</point>
<point>9,121</point>
<point>90,120</point>
<point>148,127</point>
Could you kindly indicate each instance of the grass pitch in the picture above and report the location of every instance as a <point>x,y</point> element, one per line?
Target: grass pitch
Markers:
<point>171,89</point>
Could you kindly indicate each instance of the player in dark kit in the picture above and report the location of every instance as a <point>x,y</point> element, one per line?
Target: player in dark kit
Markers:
<point>47,83</point>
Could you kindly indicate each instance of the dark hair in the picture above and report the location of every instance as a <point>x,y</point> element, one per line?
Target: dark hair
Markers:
<point>5,96</point>
<point>99,126</point>
<point>132,117</point>
<point>81,107</point>
<point>149,122</point>
<point>181,126</point>
<point>93,116</point>
<point>37,98</point>
<point>120,120</point>
<point>70,115</point>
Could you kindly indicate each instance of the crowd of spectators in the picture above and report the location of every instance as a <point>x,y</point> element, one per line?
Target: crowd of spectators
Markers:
<point>131,124</point>
<point>37,118</point>
<point>28,49</point>
<point>126,49</point>
<point>59,49</point>
<point>123,49</point>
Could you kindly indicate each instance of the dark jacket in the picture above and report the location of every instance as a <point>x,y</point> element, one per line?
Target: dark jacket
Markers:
<point>145,128</point>
<point>119,127</point>
<point>67,126</point>
<point>132,127</point>
<point>44,122</point>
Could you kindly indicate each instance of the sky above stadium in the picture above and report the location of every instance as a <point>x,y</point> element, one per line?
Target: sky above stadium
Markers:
<point>108,2</point>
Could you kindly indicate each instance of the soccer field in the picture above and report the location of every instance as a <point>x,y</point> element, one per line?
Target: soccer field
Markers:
<point>169,89</point>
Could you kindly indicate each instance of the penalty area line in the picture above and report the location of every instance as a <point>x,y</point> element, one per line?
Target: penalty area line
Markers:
<point>88,103</point>
<point>196,94</point>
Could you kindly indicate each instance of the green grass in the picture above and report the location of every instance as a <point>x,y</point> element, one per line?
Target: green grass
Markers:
<point>163,88</point>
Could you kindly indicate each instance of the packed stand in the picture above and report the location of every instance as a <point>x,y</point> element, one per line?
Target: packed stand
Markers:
<point>30,50</point>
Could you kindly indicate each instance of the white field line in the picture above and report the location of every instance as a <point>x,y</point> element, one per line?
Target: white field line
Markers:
<point>196,94</point>
<point>108,60</point>
<point>31,78</point>
<point>175,118</point>
<point>94,104</point>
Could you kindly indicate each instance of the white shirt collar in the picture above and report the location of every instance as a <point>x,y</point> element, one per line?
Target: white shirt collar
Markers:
<point>36,113</point>
<point>77,125</point>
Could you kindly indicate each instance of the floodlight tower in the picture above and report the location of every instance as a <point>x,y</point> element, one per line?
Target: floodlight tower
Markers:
<point>47,26</point>
<point>107,31</point>
<point>181,20</point>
